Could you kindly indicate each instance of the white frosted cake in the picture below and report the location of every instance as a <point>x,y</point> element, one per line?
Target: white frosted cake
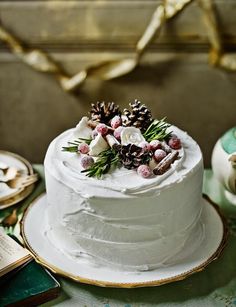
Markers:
<point>140,211</point>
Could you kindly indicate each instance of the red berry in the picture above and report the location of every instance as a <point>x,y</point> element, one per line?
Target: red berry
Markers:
<point>83,148</point>
<point>116,121</point>
<point>144,171</point>
<point>155,144</point>
<point>87,162</point>
<point>159,154</point>
<point>102,129</point>
<point>175,143</point>
<point>117,132</point>
<point>145,145</point>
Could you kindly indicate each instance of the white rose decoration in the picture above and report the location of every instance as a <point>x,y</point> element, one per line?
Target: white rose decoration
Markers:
<point>131,135</point>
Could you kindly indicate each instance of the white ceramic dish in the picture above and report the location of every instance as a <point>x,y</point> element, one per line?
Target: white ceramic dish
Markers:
<point>25,168</point>
<point>33,226</point>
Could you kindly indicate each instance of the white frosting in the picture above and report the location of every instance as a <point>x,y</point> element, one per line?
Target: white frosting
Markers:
<point>124,220</point>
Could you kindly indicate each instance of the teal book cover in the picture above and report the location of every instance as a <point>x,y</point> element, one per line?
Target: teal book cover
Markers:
<point>29,285</point>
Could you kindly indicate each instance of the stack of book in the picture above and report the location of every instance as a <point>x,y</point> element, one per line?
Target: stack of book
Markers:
<point>23,282</point>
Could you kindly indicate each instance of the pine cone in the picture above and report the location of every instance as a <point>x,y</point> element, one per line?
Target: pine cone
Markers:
<point>131,156</point>
<point>103,112</point>
<point>139,117</point>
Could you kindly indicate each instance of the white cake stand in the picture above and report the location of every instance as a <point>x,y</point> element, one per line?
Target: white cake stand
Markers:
<point>33,224</point>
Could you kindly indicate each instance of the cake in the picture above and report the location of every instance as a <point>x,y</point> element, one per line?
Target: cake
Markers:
<point>138,210</point>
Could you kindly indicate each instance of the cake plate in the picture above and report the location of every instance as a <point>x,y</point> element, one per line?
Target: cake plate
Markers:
<point>32,229</point>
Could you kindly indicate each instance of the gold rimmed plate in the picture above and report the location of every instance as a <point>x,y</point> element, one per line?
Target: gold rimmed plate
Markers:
<point>33,228</point>
<point>25,168</point>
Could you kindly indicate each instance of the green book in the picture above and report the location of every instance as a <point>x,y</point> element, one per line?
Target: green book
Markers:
<point>28,285</point>
<point>32,285</point>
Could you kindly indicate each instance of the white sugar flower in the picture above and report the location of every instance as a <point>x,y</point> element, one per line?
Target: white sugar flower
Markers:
<point>98,145</point>
<point>131,135</point>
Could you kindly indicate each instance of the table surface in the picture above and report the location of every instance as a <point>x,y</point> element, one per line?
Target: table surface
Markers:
<point>215,286</point>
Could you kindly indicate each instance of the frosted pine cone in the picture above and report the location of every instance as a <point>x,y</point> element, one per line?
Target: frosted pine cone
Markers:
<point>131,156</point>
<point>104,112</point>
<point>139,116</point>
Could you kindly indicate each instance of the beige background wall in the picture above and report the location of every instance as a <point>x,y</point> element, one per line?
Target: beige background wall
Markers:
<point>173,79</point>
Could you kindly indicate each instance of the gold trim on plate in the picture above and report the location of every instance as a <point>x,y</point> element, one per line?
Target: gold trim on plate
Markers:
<point>159,282</point>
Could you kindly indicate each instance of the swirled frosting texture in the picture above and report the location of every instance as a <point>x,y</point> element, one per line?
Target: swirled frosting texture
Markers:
<point>123,220</point>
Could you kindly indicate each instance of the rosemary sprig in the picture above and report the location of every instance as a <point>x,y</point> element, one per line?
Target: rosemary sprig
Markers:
<point>106,159</point>
<point>70,148</point>
<point>85,140</point>
<point>73,146</point>
<point>157,130</point>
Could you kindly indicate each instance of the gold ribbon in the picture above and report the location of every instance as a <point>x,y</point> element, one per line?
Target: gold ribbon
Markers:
<point>107,70</point>
<point>217,56</point>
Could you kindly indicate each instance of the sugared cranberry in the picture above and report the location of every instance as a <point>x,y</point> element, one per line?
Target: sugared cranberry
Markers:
<point>159,154</point>
<point>175,143</point>
<point>117,132</point>
<point>144,171</point>
<point>87,162</point>
<point>155,144</point>
<point>102,129</point>
<point>145,145</point>
<point>83,148</point>
<point>116,122</point>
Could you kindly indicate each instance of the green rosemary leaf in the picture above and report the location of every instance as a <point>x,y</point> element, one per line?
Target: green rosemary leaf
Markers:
<point>157,130</point>
<point>106,159</point>
<point>85,140</point>
<point>73,146</point>
<point>70,148</point>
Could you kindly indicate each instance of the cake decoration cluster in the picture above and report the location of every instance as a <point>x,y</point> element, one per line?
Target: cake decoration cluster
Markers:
<point>110,138</point>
